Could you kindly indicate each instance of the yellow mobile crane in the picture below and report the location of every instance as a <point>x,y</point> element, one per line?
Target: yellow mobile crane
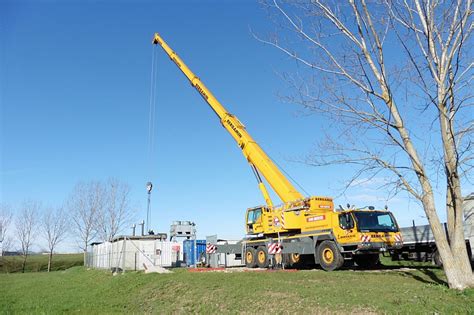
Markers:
<point>301,228</point>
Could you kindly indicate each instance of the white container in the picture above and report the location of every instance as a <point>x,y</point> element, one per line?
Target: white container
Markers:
<point>134,254</point>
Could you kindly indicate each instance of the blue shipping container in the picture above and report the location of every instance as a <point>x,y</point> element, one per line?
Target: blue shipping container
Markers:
<point>189,255</point>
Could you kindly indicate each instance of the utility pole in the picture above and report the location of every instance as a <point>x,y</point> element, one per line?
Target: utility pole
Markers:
<point>149,187</point>
<point>195,245</point>
<point>1,240</point>
<point>143,225</point>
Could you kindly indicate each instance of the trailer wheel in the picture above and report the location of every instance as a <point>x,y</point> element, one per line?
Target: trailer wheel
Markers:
<point>437,259</point>
<point>367,260</point>
<point>395,256</point>
<point>262,257</point>
<point>250,257</point>
<point>329,256</point>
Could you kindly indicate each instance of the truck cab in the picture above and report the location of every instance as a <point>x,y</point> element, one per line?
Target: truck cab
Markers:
<point>364,234</point>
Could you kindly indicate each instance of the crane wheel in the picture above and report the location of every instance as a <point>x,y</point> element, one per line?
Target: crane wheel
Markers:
<point>262,257</point>
<point>330,257</point>
<point>292,260</point>
<point>250,257</point>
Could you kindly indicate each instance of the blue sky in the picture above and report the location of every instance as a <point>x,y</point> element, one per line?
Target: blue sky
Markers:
<point>75,81</point>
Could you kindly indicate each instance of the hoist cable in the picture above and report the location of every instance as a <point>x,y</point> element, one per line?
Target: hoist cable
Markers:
<point>291,178</point>
<point>152,110</point>
<point>151,129</point>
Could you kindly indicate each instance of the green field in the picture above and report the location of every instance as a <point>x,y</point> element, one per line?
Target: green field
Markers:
<point>40,262</point>
<point>417,289</point>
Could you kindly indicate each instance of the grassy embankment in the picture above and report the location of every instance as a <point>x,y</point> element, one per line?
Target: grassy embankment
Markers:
<point>9,264</point>
<point>419,289</point>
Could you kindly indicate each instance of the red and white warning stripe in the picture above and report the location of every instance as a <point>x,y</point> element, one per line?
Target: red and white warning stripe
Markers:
<point>274,248</point>
<point>283,220</point>
<point>365,238</point>
<point>398,238</point>
<point>211,248</point>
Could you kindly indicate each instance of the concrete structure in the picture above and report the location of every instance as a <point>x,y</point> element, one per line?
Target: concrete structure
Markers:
<point>182,229</point>
<point>134,253</point>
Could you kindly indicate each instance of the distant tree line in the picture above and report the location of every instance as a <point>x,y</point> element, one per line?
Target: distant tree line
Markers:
<point>94,210</point>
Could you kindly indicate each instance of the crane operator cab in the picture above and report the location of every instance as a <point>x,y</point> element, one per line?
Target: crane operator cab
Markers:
<point>254,220</point>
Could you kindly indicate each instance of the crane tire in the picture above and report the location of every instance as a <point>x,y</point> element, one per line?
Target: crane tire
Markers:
<point>292,260</point>
<point>262,257</point>
<point>330,257</point>
<point>250,257</point>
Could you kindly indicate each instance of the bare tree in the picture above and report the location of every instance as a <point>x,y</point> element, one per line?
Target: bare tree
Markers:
<point>84,204</point>
<point>7,244</point>
<point>54,228</point>
<point>395,78</point>
<point>116,212</point>
<point>26,224</point>
<point>5,220</point>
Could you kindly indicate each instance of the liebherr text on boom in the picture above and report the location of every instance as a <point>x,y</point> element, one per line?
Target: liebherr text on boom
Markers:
<point>305,229</point>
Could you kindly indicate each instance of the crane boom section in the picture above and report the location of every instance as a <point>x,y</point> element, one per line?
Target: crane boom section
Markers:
<point>251,150</point>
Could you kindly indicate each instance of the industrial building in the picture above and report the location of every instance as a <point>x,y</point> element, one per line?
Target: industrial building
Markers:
<point>134,253</point>
<point>143,252</point>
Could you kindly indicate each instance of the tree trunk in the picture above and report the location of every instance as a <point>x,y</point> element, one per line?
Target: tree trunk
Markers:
<point>454,200</point>
<point>23,265</point>
<point>458,243</point>
<point>50,259</point>
<point>453,267</point>
<point>450,214</point>
<point>85,254</point>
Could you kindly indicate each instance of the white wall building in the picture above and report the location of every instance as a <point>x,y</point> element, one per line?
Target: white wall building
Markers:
<point>134,253</point>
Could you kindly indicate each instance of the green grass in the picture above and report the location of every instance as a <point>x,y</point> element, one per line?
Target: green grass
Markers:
<point>9,264</point>
<point>416,290</point>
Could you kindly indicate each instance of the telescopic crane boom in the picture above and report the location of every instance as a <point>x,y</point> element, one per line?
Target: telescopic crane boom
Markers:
<point>258,159</point>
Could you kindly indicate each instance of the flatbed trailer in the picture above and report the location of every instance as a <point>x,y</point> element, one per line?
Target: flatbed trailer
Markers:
<point>419,243</point>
